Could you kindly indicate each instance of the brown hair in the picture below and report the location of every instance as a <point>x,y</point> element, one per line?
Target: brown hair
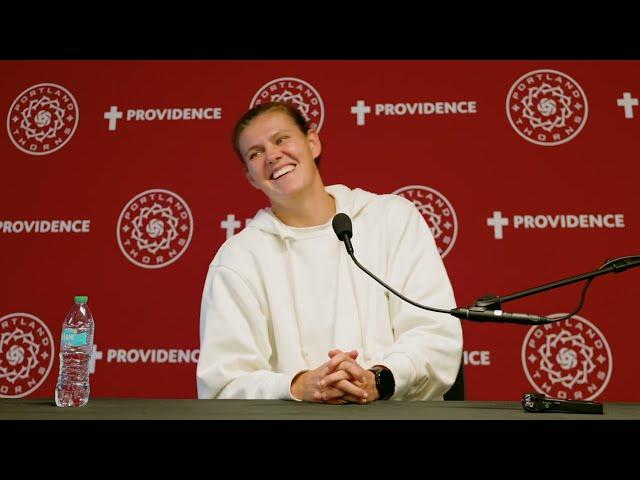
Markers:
<point>262,108</point>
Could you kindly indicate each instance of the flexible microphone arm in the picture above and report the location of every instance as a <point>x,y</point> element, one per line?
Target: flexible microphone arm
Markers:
<point>493,302</point>
<point>433,309</point>
<point>472,313</point>
<point>487,308</point>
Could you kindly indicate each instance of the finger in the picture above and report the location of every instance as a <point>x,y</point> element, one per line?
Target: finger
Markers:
<point>331,394</point>
<point>352,399</point>
<point>353,353</point>
<point>337,360</point>
<point>354,370</point>
<point>334,377</point>
<point>317,396</point>
<point>350,389</point>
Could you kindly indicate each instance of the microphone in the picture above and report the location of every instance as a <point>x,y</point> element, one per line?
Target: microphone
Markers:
<point>478,314</point>
<point>342,226</point>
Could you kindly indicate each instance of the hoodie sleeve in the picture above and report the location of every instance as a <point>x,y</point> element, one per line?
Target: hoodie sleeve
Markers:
<point>234,343</point>
<point>427,351</point>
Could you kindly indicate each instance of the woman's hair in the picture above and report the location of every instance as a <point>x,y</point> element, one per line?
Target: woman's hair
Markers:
<point>250,115</point>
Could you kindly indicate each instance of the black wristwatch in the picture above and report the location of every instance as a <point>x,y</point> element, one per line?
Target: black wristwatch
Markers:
<point>385,383</point>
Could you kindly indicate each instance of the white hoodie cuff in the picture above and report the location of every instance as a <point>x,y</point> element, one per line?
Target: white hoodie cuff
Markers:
<point>403,373</point>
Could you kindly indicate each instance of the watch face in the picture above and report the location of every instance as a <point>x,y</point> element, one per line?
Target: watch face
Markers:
<point>385,383</point>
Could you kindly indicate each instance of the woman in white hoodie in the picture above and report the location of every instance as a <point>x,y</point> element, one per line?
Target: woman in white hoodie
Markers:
<point>286,314</point>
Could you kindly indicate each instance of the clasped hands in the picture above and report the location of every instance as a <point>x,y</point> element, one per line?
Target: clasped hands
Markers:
<point>340,380</point>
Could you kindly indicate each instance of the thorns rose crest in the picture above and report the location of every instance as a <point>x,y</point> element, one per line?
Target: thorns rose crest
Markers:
<point>42,119</point>
<point>155,228</point>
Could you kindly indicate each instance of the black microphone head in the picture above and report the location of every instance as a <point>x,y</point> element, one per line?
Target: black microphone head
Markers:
<point>342,225</point>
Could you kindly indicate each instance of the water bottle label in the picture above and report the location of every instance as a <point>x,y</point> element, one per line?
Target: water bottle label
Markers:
<point>70,337</point>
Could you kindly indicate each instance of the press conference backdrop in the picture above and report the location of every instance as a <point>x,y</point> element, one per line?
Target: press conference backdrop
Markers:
<point>119,182</point>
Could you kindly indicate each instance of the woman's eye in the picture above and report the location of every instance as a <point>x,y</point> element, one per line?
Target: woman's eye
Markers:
<point>281,139</point>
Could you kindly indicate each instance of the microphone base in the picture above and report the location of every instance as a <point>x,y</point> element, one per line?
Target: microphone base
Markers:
<point>488,302</point>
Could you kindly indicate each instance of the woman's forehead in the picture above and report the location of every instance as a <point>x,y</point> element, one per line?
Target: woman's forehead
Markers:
<point>271,118</point>
<point>266,125</point>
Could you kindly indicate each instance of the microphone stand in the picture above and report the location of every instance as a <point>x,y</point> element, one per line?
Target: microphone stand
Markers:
<point>488,308</point>
<point>494,302</point>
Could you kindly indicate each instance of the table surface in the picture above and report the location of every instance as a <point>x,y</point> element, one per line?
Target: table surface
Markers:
<point>191,409</point>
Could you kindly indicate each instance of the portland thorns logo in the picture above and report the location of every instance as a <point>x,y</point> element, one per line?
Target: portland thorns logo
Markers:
<point>295,91</point>
<point>155,228</point>
<point>547,107</point>
<point>438,213</point>
<point>569,359</point>
<point>26,354</point>
<point>42,119</point>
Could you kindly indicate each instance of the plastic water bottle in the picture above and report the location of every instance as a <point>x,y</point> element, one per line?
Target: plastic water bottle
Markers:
<point>76,347</point>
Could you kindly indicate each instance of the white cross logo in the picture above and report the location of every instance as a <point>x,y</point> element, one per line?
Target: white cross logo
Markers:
<point>497,222</point>
<point>112,115</point>
<point>95,355</point>
<point>360,109</point>
<point>230,224</point>
<point>628,103</point>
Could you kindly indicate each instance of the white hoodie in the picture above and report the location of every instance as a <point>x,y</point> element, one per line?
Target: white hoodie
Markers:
<point>277,299</point>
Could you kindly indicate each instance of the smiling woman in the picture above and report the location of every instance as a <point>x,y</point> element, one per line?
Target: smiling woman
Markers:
<point>279,151</point>
<point>280,316</point>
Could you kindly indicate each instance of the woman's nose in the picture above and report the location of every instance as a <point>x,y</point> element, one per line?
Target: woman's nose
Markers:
<point>273,153</point>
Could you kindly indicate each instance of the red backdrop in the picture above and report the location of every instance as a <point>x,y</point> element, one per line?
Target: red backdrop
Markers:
<point>130,210</point>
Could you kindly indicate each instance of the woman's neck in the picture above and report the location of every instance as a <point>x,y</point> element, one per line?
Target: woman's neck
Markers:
<point>315,208</point>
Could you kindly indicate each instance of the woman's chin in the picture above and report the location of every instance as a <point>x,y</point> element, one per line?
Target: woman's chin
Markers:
<point>287,187</point>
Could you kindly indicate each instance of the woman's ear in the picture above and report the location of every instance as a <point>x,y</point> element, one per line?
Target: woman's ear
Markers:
<point>314,143</point>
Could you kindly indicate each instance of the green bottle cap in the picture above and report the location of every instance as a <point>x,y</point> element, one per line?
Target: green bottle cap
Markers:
<point>81,299</point>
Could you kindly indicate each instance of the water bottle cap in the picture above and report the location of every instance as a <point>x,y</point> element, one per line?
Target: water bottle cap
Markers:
<point>81,299</point>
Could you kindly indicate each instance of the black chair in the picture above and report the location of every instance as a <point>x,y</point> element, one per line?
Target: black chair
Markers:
<point>457,391</point>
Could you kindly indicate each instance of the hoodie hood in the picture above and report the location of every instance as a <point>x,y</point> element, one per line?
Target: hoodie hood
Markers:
<point>348,201</point>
